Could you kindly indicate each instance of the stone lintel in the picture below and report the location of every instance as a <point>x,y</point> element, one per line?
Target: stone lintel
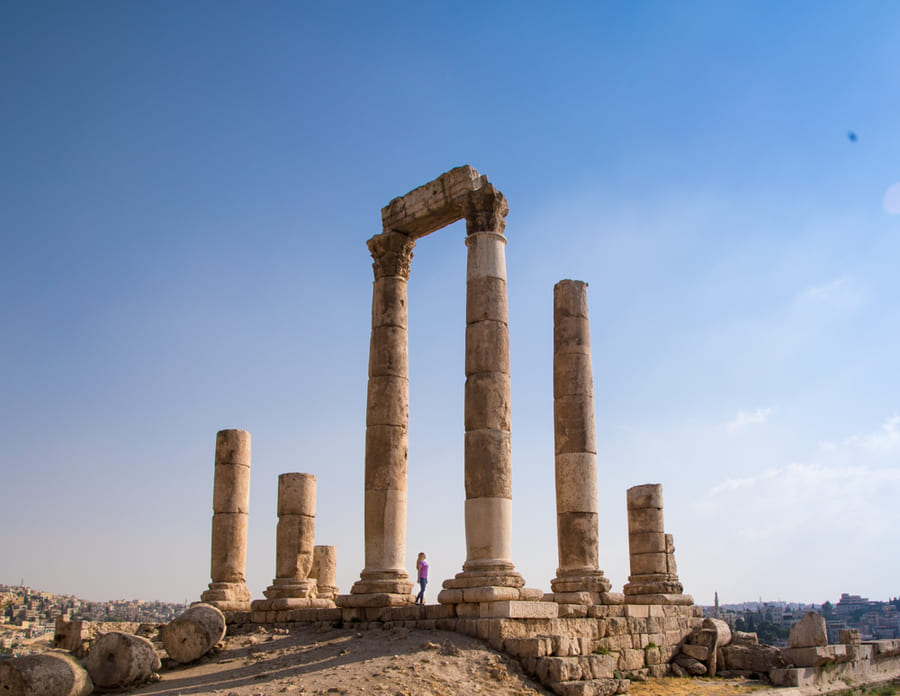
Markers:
<point>438,203</point>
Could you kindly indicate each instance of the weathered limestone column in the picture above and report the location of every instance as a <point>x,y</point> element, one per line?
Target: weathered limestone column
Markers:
<point>489,574</point>
<point>384,581</point>
<point>652,579</point>
<point>324,570</point>
<point>579,579</point>
<point>231,505</point>
<point>292,587</point>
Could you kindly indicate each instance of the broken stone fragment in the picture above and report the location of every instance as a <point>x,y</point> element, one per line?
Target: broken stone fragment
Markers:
<point>194,633</point>
<point>120,659</point>
<point>809,631</point>
<point>54,673</point>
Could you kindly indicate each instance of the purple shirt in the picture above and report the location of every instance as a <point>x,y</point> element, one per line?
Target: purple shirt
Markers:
<point>422,567</point>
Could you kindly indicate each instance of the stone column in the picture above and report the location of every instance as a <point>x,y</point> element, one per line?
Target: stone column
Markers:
<point>384,581</point>
<point>231,504</point>
<point>324,570</point>
<point>295,537</point>
<point>488,574</point>
<point>579,579</point>
<point>651,551</point>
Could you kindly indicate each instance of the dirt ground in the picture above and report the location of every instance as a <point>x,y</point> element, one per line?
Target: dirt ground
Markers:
<point>396,662</point>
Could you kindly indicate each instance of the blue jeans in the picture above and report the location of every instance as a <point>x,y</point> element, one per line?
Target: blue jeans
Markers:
<point>420,598</point>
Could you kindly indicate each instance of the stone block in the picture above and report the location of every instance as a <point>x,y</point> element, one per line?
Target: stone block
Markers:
<point>519,610</point>
<point>388,352</point>
<point>576,482</point>
<point>558,669</point>
<point>850,636</point>
<point>574,424</point>
<point>486,351</point>
<point>637,610</point>
<point>572,374</point>
<point>389,302</point>
<point>631,659</point>
<point>387,401</point>
<point>573,611</point>
<point>648,495</point>
<point>571,334</point>
<point>645,520</point>
<point>599,666</point>
<point>698,652</point>
<point>488,455</point>
<point>450,596</point>
<point>578,536</point>
<point>809,657</point>
<point>440,611</point>
<point>486,299</point>
<point>809,632</point>
<point>468,611</point>
<point>487,400</point>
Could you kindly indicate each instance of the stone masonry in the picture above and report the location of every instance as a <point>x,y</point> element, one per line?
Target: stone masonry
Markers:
<point>324,570</point>
<point>231,505</point>
<point>653,579</point>
<point>579,579</point>
<point>293,587</point>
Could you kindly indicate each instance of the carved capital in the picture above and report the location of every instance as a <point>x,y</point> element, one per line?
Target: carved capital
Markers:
<point>393,252</point>
<point>486,211</point>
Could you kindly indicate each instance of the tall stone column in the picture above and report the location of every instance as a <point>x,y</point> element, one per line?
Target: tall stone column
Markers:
<point>384,581</point>
<point>294,541</point>
<point>653,579</point>
<point>579,578</point>
<point>231,505</point>
<point>488,574</point>
<point>324,570</point>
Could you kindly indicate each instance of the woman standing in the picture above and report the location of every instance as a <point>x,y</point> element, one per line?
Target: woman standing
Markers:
<point>422,574</point>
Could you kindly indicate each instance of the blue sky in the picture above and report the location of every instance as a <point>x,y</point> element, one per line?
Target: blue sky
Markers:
<point>185,197</point>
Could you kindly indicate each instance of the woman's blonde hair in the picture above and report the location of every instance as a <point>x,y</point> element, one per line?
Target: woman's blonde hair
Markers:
<point>421,555</point>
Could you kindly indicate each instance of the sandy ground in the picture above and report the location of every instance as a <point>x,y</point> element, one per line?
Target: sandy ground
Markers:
<point>397,662</point>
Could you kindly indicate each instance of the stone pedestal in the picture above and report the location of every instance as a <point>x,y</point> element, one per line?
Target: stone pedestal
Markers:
<point>292,587</point>
<point>579,579</point>
<point>231,504</point>
<point>653,579</point>
<point>324,571</point>
<point>384,581</point>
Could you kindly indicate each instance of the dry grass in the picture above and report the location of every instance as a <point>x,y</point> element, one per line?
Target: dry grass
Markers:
<point>673,686</point>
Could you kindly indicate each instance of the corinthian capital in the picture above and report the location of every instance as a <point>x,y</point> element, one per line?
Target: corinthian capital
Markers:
<point>486,211</point>
<point>393,252</point>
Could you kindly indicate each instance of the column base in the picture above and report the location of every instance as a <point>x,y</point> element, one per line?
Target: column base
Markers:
<point>227,596</point>
<point>292,588</point>
<point>592,581</point>
<point>653,584</point>
<point>326,591</point>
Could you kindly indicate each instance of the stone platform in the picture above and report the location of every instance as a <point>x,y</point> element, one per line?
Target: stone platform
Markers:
<point>591,650</point>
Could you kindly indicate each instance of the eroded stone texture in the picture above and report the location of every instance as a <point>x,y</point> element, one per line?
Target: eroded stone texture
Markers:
<point>294,545</point>
<point>809,631</point>
<point>458,194</point>
<point>120,659</point>
<point>324,571</point>
<point>384,579</point>
<point>194,633</point>
<point>579,574</point>
<point>231,504</point>
<point>653,578</point>
<point>46,674</point>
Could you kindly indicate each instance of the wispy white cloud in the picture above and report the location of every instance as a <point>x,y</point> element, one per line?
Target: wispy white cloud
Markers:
<point>884,439</point>
<point>748,482</point>
<point>892,199</point>
<point>745,418</point>
<point>825,292</point>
